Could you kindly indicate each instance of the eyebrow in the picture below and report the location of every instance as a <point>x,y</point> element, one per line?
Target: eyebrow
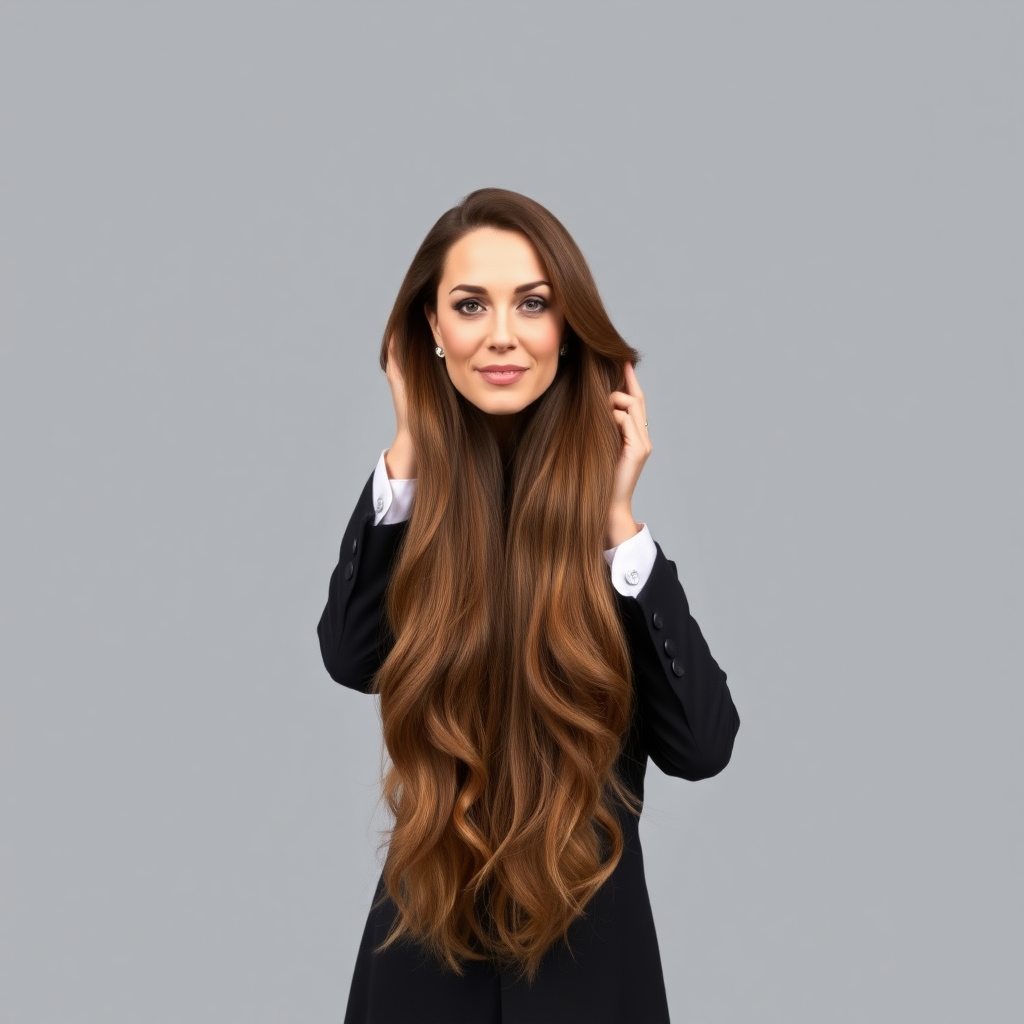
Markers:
<point>475,289</point>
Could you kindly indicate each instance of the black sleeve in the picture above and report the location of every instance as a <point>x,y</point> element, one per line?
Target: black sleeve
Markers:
<point>687,718</point>
<point>355,637</point>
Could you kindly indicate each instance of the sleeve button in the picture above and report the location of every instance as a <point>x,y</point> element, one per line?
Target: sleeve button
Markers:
<point>677,667</point>
<point>670,648</point>
<point>349,570</point>
<point>657,620</point>
<point>355,545</point>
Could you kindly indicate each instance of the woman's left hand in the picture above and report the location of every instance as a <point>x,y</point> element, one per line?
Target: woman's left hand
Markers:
<point>630,414</point>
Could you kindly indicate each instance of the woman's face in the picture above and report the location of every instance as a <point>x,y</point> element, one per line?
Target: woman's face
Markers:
<point>497,320</point>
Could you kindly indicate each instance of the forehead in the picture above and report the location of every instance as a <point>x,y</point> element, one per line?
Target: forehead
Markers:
<point>490,255</point>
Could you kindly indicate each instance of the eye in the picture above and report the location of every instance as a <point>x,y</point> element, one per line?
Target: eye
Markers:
<point>534,304</point>
<point>468,306</point>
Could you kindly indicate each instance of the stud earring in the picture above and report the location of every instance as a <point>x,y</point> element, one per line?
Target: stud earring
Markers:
<point>563,350</point>
<point>439,352</point>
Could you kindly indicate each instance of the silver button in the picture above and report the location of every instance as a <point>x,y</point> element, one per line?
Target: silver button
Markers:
<point>632,577</point>
<point>380,504</point>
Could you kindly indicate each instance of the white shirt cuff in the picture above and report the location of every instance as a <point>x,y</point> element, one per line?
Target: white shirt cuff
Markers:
<point>631,562</point>
<point>392,499</point>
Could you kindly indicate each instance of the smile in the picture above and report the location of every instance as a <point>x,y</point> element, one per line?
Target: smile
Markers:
<point>501,374</point>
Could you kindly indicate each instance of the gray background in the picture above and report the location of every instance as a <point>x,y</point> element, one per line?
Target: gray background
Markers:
<point>807,216</point>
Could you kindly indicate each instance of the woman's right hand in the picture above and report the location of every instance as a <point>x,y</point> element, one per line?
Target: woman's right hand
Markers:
<point>401,457</point>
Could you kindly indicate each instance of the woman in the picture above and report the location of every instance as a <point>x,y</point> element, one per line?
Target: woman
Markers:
<point>530,643</point>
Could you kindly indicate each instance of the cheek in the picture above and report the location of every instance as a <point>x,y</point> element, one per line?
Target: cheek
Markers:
<point>548,341</point>
<point>545,351</point>
<point>460,343</point>
<point>460,336</point>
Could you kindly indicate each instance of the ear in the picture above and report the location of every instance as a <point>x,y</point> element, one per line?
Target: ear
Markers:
<point>431,314</point>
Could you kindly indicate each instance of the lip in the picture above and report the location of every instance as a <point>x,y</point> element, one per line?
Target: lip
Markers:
<point>502,375</point>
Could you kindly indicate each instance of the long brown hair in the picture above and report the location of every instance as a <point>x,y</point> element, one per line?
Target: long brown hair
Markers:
<point>507,693</point>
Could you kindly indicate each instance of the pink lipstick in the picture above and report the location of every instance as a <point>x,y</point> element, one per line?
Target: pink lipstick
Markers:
<point>501,374</point>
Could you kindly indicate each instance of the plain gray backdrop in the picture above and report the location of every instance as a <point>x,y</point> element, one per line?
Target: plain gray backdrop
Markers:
<point>808,218</point>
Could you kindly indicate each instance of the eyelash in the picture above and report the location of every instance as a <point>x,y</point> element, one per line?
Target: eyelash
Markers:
<point>460,306</point>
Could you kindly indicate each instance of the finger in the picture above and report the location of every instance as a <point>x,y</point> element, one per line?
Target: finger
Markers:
<point>631,429</point>
<point>634,389</point>
<point>632,381</point>
<point>394,372</point>
<point>631,456</point>
<point>636,446</point>
<point>623,400</point>
<point>631,404</point>
<point>626,423</point>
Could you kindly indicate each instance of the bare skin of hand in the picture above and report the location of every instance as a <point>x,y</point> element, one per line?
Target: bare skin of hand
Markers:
<point>630,414</point>
<point>400,459</point>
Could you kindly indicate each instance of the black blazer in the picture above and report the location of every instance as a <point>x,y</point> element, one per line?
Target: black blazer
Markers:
<point>684,720</point>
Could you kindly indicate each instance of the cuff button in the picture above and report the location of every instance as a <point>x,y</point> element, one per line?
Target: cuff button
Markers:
<point>677,667</point>
<point>349,570</point>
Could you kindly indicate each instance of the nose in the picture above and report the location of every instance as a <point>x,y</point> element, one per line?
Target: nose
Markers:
<point>501,337</point>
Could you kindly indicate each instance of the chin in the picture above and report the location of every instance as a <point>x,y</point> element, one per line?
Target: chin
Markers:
<point>503,405</point>
<point>505,401</point>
